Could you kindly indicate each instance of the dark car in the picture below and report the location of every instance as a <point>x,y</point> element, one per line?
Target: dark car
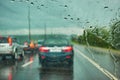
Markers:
<point>56,51</point>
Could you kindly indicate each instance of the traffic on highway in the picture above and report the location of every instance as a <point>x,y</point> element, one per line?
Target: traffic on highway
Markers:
<point>59,40</point>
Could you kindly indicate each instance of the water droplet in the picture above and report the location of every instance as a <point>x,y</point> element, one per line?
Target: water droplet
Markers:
<point>66,6</point>
<point>65,17</point>
<point>12,0</point>
<point>68,14</point>
<point>87,22</point>
<point>32,3</point>
<point>78,18</point>
<point>27,0</point>
<point>106,7</point>
<point>90,26</point>
<point>71,18</point>
<point>42,5</point>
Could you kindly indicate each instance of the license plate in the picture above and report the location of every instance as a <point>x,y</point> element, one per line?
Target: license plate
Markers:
<point>55,50</point>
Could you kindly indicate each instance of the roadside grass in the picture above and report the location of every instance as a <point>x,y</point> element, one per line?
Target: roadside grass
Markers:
<point>100,49</point>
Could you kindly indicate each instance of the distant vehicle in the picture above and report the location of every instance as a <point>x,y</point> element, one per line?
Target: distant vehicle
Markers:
<point>40,42</point>
<point>13,50</point>
<point>56,51</point>
<point>28,47</point>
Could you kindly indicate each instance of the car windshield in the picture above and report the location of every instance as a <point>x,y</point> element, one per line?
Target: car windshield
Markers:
<point>86,32</point>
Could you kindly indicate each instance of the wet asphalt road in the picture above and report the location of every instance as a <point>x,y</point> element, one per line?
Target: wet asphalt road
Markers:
<point>83,69</point>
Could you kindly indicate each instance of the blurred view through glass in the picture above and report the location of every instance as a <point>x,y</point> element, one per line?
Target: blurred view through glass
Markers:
<point>92,26</point>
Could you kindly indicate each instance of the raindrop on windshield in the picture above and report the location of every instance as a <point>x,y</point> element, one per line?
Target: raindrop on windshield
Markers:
<point>27,0</point>
<point>12,0</point>
<point>32,3</point>
<point>90,26</point>
<point>71,18</point>
<point>66,6</point>
<point>65,18</point>
<point>106,7</point>
<point>68,14</point>
<point>78,18</point>
<point>42,5</point>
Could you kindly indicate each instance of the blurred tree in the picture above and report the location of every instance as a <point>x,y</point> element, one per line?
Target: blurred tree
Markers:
<point>115,33</point>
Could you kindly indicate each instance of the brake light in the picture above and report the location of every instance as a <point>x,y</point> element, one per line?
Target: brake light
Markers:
<point>43,57</point>
<point>43,49</point>
<point>25,43</point>
<point>68,57</point>
<point>67,49</point>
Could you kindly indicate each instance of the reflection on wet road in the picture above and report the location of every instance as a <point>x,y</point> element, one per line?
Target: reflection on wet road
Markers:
<point>56,74</point>
<point>29,68</point>
<point>107,59</point>
<point>16,71</point>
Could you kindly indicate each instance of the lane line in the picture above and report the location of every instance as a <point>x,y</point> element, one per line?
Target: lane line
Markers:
<point>28,63</point>
<point>107,73</point>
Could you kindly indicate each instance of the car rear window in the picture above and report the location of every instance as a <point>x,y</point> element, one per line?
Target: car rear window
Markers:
<point>56,42</point>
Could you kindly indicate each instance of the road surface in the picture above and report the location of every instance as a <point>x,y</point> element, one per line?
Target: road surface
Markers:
<point>89,64</point>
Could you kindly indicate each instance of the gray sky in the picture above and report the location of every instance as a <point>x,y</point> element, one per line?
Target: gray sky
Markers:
<point>59,16</point>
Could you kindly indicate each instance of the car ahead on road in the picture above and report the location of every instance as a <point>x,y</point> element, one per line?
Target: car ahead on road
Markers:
<point>30,47</point>
<point>10,50</point>
<point>26,47</point>
<point>40,42</point>
<point>56,51</point>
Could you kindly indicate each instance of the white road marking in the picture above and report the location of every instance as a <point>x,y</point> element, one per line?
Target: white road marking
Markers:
<point>28,63</point>
<point>107,73</point>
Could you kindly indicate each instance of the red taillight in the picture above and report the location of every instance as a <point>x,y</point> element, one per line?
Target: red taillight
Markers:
<point>68,57</point>
<point>10,76</point>
<point>43,49</point>
<point>67,49</point>
<point>43,57</point>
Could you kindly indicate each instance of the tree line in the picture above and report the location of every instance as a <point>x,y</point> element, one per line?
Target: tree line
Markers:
<point>106,37</point>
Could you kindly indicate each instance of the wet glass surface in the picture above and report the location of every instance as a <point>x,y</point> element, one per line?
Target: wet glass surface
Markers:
<point>92,26</point>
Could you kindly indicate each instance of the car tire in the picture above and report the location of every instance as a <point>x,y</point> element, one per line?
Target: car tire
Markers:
<point>15,56</point>
<point>3,58</point>
<point>70,63</point>
<point>43,65</point>
<point>22,55</point>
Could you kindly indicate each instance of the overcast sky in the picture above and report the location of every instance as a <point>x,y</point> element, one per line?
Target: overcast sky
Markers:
<point>59,16</point>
